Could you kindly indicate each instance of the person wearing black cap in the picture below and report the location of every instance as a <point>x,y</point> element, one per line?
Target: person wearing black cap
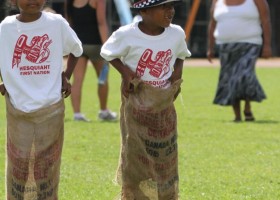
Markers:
<point>149,55</point>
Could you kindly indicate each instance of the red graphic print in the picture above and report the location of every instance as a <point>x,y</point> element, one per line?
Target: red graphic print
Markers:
<point>36,52</point>
<point>158,66</point>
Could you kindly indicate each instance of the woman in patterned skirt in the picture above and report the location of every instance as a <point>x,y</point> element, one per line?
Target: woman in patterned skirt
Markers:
<point>242,31</point>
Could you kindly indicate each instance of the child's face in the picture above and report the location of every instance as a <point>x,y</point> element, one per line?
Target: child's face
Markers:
<point>161,15</point>
<point>30,7</point>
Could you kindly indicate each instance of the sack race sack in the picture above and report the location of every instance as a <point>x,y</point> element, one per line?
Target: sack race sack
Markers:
<point>148,164</point>
<point>34,147</point>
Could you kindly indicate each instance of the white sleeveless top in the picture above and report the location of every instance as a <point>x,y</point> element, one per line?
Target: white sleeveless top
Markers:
<point>238,23</point>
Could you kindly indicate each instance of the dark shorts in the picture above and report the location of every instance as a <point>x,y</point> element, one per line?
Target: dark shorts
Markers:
<point>92,51</point>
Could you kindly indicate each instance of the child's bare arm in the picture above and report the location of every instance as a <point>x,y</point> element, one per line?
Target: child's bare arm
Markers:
<point>2,88</point>
<point>178,70</point>
<point>66,75</point>
<point>127,75</point>
<point>71,63</point>
<point>177,74</point>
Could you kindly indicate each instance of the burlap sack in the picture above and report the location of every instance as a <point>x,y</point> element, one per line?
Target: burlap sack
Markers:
<point>148,166</point>
<point>34,146</point>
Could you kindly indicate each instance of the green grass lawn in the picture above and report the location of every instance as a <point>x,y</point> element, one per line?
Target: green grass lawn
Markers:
<point>218,159</point>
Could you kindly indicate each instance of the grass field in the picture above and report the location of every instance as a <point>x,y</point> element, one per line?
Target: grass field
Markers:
<point>218,159</point>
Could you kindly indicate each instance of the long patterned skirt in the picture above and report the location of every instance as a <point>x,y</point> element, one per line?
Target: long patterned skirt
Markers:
<point>237,79</point>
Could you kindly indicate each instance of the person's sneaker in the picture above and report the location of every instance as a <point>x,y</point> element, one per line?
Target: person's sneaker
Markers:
<point>107,115</point>
<point>81,117</point>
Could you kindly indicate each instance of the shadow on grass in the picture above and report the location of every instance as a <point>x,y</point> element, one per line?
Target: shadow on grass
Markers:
<point>253,122</point>
<point>68,120</point>
<point>265,122</point>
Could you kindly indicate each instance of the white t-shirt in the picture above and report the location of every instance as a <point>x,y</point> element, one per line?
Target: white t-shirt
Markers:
<point>238,23</point>
<point>31,59</point>
<point>151,57</point>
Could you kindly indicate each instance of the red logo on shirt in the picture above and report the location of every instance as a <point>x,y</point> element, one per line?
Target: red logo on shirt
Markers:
<point>36,52</point>
<point>158,66</point>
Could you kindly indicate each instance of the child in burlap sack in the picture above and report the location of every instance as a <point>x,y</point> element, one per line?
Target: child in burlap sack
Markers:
<point>149,55</point>
<point>33,44</point>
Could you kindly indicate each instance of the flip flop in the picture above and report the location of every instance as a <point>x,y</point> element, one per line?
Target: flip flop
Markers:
<point>249,116</point>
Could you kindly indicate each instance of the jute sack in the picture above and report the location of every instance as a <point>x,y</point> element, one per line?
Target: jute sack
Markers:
<point>34,146</point>
<point>148,165</point>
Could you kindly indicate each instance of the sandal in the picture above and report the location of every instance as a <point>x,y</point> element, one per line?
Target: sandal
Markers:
<point>237,120</point>
<point>249,116</point>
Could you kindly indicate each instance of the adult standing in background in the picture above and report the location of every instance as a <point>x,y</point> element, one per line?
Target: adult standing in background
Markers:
<point>124,12</point>
<point>88,19</point>
<point>2,9</point>
<point>242,31</point>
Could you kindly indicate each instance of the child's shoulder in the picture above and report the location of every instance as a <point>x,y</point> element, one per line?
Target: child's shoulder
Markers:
<point>127,28</point>
<point>176,27</point>
<point>9,19</point>
<point>124,31</point>
<point>52,16</point>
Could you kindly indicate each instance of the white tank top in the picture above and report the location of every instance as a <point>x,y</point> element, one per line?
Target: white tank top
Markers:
<point>238,23</point>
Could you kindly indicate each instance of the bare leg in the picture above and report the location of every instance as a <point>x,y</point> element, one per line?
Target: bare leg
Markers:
<point>247,108</point>
<point>78,78</point>
<point>248,112</point>
<point>103,89</point>
<point>236,110</point>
